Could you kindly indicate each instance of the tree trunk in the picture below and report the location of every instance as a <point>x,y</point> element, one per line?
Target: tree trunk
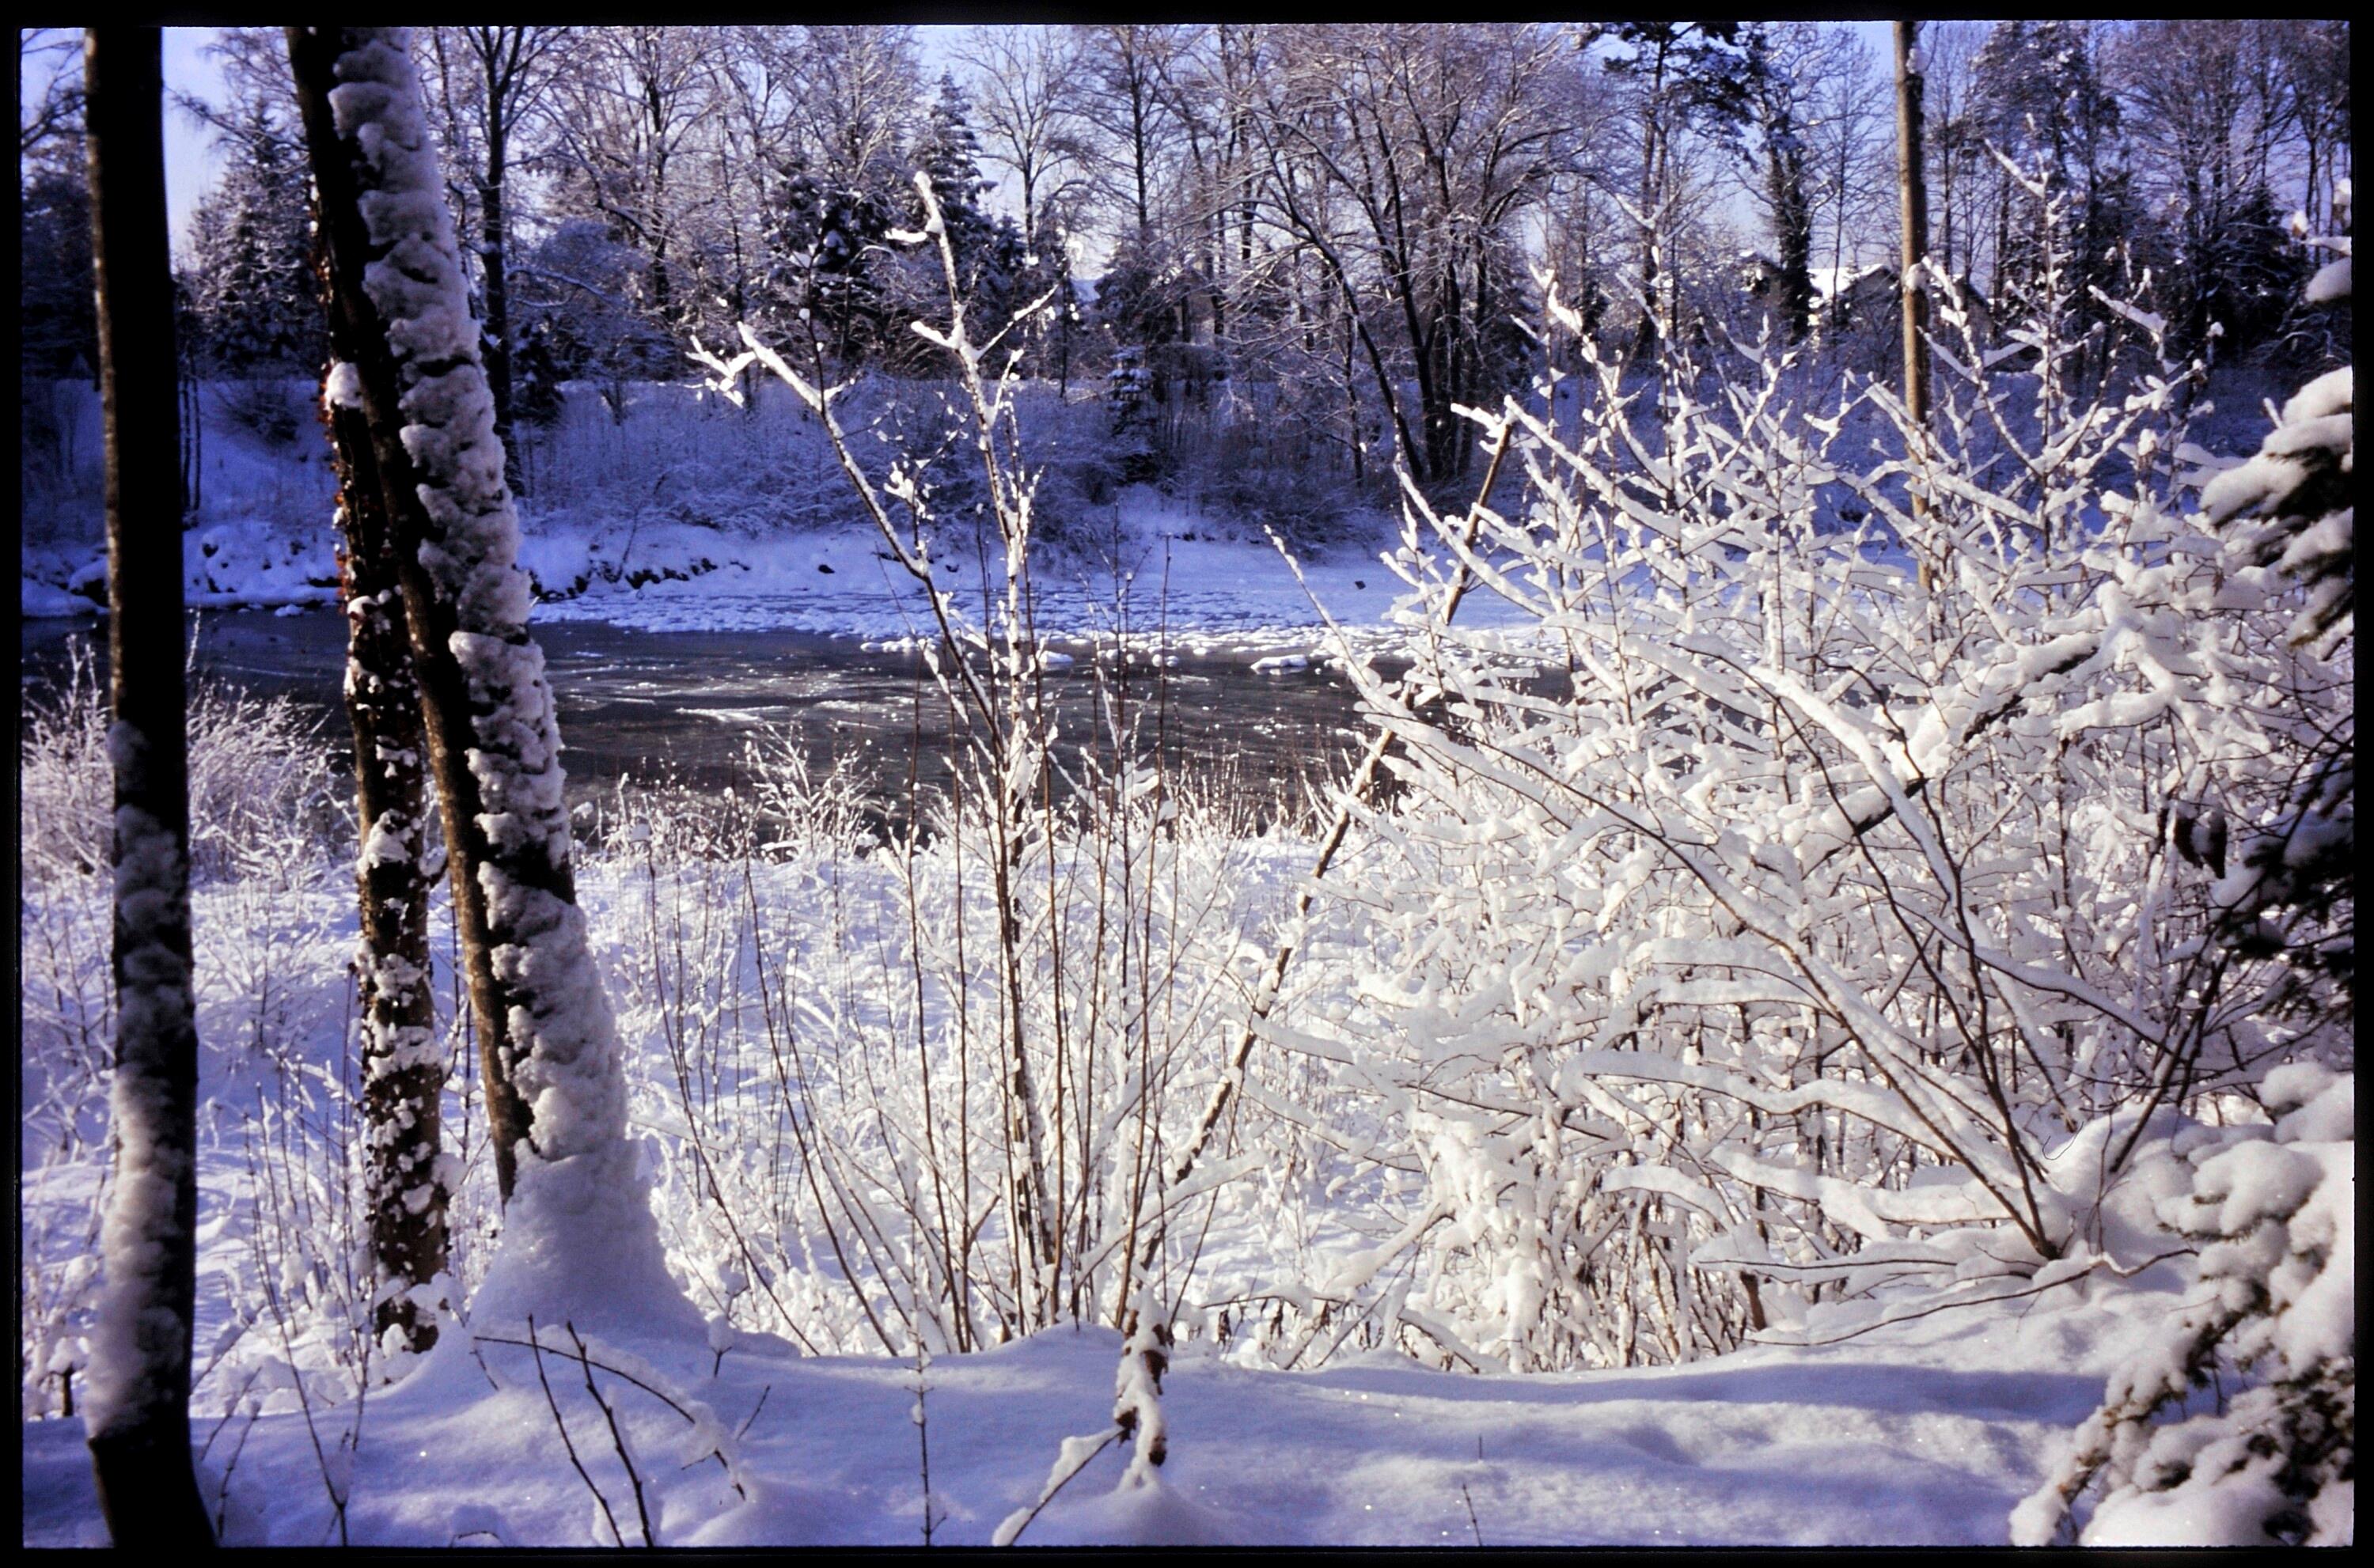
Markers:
<point>403,1070</point>
<point>136,1408</point>
<point>498,283</point>
<point>1913,181</point>
<point>430,618</point>
<point>1793,224</point>
<point>580,1232</point>
<point>1644,345</point>
<point>579,1237</point>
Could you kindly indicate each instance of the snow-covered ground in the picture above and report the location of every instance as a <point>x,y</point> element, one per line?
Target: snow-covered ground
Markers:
<point>732,535</point>
<point>681,518</point>
<point>1924,1431</point>
<point>1204,594</point>
<point>1928,1436</point>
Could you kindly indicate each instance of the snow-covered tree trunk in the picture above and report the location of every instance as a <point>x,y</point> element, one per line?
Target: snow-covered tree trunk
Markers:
<point>137,1409</point>
<point>403,1070</point>
<point>579,1236</point>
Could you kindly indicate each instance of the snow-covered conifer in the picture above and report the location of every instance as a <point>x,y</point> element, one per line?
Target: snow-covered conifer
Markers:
<point>2275,1307</point>
<point>251,288</point>
<point>2289,516</point>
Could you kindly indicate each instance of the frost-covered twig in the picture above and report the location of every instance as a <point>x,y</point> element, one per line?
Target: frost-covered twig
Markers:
<point>1070,1460</point>
<point>922,1433</point>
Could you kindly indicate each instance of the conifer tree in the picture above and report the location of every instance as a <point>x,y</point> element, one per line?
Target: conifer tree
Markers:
<point>987,249</point>
<point>251,276</point>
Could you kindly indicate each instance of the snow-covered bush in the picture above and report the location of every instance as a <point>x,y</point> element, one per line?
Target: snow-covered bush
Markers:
<point>1025,989</point>
<point>2276,1312</point>
<point>272,408</point>
<point>2276,1302</point>
<point>261,777</point>
<point>827,1025</point>
<point>1769,908</point>
<point>265,821</point>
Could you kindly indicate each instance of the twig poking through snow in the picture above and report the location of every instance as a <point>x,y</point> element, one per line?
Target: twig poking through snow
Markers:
<point>602,1502</point>
<point>618,1438</point>
<point>1070,1461</point>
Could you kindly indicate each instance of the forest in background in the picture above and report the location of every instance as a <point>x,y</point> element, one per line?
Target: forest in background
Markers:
<point>1283,254</point>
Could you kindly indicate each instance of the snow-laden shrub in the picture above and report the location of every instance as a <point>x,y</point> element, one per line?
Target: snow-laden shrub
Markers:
<point>2274,1304</point>
<point>2268,1335</point>
<point>274,409</point>
<point>264,805</point>
<point>266,814</point>
<point>264,778</point>
<point>1773,898</point>
<point>825,1027</point>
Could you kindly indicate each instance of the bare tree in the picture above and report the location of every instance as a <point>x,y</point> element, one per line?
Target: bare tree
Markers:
<point>1125,62</point>
<point>1403,158</point>
<point>56,109</point>
<point>493,82</point>
<point>634,105</point>
<point>137,1410</point>
<point>1028,88</point>
<point>861,90</point>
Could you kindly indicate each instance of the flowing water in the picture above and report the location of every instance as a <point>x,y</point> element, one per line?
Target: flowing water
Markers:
<point>682,708</point>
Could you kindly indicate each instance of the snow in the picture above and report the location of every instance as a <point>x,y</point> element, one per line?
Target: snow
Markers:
<point>1920,1431</point>
<point>40,600</point>
<point>1923,1438</point>
<point>343,387</point>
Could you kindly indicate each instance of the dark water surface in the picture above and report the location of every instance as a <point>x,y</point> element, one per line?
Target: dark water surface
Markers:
<point>683,706</point>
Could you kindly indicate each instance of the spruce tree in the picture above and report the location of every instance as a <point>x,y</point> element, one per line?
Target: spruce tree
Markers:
<point>987,249</point>
<point>250,277</point>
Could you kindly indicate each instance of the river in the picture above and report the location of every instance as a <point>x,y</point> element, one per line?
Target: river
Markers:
<point>682,706</point>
